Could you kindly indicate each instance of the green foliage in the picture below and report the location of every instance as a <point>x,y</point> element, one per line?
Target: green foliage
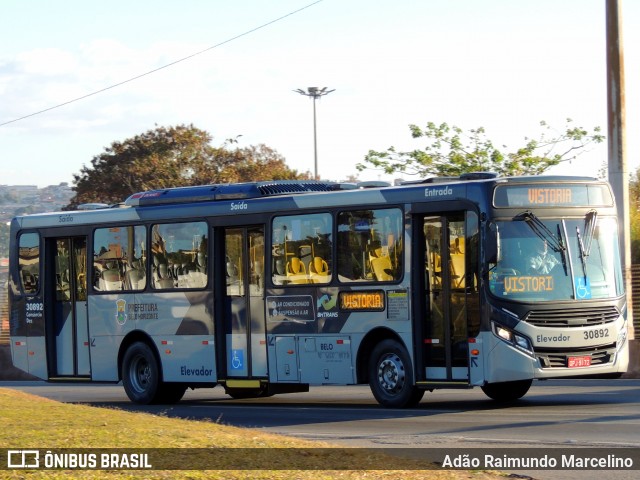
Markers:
<point>4,240</point>
<point>168,157</point>
<point>451,152</point>
<point>634,216</point>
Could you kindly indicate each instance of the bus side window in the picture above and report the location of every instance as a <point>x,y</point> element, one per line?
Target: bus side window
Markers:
<point>179,255</point>
<point>370,245</point>
<point>29,262</point>
<point>119,257</point>
<point>301,249</point>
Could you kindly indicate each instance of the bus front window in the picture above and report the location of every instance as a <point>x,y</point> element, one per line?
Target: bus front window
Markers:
<point>546,259</point>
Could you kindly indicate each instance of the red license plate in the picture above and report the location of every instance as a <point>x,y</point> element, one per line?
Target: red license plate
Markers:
<point>574,362</point>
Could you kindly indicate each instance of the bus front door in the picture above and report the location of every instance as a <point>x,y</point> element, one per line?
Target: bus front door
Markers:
<point>68,334</point>
<point>245,332</point>
<point>445,353</point>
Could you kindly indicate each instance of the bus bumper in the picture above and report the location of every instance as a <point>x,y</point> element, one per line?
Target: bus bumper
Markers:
<point>618,365</point>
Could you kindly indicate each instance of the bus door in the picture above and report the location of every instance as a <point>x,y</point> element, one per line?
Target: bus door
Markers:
<point>244,323</point>
<point>449,296</point>
<point>68,334</point>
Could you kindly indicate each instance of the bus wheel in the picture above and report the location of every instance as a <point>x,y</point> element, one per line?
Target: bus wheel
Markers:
<point>507,391</point>
<point>391,376</point>
<point>140,374</point>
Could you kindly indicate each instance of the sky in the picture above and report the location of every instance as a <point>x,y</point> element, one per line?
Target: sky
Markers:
<point>504,65</point>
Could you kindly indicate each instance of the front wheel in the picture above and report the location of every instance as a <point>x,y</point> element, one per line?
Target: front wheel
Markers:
<point>141,374</point>
<point>507,391</point>
<point>391,376</point>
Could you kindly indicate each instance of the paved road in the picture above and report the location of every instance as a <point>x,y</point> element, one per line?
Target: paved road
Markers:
<point>603,414</point>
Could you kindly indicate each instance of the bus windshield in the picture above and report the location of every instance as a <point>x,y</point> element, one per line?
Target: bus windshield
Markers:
<point>555,259</point>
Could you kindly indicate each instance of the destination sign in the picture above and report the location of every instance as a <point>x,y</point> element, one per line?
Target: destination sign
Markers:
<point>362,301</point>
<point>542,283</point>
<point>551,195</point>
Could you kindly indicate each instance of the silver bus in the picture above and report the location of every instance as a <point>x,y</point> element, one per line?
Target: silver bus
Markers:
<point>270,287</point>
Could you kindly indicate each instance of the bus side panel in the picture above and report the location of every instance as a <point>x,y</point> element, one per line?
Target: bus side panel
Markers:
<point>187,358</point>
<point>37,357</point>
<point>504,363</point>
<point>28,349</point>
<point>29,355</point>
<point>109,322</point>
<point>84,361</point>
<point>181,325</point>
<point>18,331</point>
<point>172,313</point>
<point>326,360</point>
<point>104,358</point>
<point>19,350</point>
<point>476,354</point>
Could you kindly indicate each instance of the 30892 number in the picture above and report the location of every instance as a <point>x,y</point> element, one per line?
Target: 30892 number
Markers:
<point>34,307</point>
<point>599,333</point>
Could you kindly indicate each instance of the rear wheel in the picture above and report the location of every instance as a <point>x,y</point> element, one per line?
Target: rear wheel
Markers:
<point>391,376</point>
<point>507,391</point>
<point>140,374</point>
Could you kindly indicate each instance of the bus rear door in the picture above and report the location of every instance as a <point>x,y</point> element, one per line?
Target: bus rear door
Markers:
<point>244,310</point>
<point>66,295</point>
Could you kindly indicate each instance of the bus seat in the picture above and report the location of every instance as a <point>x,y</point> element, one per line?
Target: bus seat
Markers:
<point>201,262</point>
<point>111,280</point>
<point>295,267</point>
<point>457,270</point>
<point>318,266</point>
<point>135,279</point>
<point>296,271</point>
<point>319,270</point>
<point>164,279</point>
<point>457,246</point>
<point>435,269</point>
<point>28,282</point>
<point>382,268</point>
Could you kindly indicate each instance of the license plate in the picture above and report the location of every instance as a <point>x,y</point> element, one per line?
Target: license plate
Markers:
<point>574,362</point>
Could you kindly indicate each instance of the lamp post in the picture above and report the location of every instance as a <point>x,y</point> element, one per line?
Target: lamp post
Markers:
<point>315,93</point>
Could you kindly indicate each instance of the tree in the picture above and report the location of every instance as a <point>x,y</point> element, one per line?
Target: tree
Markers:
<point>634,216</point>
<point>4,240</point>
<point>452,152</point>
<point>168,157</point>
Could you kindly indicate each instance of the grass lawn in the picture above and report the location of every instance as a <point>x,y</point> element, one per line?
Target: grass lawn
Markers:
<point>29,421</point>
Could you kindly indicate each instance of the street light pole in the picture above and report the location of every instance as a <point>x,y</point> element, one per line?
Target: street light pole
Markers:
<point>315,93</point>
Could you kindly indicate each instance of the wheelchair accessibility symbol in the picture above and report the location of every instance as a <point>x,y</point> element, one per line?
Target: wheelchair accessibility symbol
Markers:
<point>583,288</point>
<point>237,359</point>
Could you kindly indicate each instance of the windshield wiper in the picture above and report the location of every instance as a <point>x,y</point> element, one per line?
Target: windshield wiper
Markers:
<point>585,246</point>
<point>542,231</point>
<point>583,253</point>
<point>590,221</point>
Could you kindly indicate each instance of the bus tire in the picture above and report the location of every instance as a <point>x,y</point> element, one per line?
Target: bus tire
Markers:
<point>141,374</point>
<point>507,391</point>
<point>391,376</point>
<point>170,393</point>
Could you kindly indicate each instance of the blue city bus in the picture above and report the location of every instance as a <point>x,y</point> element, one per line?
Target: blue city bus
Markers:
<point>270,287</point>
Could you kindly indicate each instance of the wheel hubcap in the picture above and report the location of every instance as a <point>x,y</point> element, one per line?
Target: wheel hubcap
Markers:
<point>141,374</point>
<point>391,374</point>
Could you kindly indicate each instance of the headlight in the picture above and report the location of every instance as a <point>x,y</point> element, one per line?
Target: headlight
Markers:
<point>622,336</point>
<point>512,338</point>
